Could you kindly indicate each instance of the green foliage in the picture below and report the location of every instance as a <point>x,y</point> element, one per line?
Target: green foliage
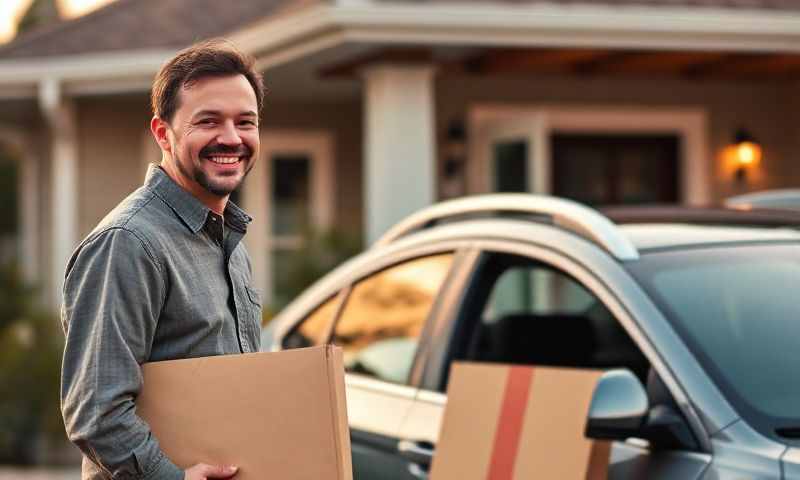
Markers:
<point>16,298</point>
<point>30,359</point>
<point>297,269</point>
<point>39,14</point>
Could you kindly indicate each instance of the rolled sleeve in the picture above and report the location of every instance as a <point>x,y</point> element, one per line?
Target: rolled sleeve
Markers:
<point>113,292</point>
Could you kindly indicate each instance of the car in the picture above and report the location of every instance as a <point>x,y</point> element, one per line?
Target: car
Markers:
<point>785,198</point>
<point>691,313</point>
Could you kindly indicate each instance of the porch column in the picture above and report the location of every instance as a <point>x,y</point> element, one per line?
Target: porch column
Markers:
<point>30,187</point>
<point>399,147</point>
<point>60,114</point>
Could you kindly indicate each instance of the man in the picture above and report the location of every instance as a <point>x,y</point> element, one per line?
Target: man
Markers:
<point>165,275</point>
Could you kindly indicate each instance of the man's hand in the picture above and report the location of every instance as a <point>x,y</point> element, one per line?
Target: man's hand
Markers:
<point>201,471</point>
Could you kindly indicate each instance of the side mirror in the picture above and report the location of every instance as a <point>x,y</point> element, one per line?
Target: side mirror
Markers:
<point>619,406</point>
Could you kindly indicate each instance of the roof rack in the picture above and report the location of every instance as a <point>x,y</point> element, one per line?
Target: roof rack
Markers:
<point>702,216</point>
<point>566,214</point>
<point>779,199</point>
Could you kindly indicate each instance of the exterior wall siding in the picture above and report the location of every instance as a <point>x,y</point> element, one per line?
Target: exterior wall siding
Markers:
<point>110,149</point>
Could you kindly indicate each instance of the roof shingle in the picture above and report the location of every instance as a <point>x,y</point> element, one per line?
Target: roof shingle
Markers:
<point>153,24</point>
<point>140,24</point>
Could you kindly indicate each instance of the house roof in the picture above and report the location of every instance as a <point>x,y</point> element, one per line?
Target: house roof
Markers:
<point>140,25</point>
<point>157,24</point>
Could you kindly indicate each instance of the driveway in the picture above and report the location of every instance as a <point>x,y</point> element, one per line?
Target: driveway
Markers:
<point>39,474</point>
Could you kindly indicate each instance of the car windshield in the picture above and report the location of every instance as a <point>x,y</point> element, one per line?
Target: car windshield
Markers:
<point>738,310</point>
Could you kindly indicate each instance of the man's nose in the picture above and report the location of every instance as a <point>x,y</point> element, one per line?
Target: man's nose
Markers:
<point>229,135</point>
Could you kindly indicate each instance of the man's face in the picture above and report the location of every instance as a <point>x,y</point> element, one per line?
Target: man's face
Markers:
<point>213,135</point>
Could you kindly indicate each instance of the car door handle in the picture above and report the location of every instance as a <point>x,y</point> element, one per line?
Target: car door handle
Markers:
<point>416,452</point>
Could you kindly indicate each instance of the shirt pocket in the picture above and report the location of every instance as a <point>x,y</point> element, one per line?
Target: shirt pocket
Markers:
<point>255,296</point>
<point>253,313</point>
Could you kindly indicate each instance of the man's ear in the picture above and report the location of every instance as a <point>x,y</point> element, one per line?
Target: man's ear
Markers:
<point>159,129</point>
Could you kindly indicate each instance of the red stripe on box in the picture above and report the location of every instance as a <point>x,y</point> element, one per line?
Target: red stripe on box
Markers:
<point>509,423</point>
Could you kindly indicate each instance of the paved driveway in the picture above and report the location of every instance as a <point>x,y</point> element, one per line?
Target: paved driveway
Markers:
<point>39,474</point>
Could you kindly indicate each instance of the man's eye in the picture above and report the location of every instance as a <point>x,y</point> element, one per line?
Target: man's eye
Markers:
<point>205,121</point>
<point>248,123</point>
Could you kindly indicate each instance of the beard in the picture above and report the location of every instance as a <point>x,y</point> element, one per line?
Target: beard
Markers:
<point>193,170</point>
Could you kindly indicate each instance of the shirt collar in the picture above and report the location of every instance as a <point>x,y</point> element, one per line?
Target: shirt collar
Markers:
<point>236,218</point>
<point>188,208</point>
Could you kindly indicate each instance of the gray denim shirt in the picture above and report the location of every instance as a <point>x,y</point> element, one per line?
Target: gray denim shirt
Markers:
<point>160,278</point>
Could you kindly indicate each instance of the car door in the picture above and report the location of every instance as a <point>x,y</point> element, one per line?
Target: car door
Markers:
<point>518,308</point>
<point>379,329</point>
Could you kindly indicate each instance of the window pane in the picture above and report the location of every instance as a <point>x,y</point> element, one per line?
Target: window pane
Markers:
<point>581,172</point>
<point>291,195</point>
<point>312,329</point>
<point>536,290</point>
<point>511,166</point>
<point>384,316</point>
<point>8,208</point>
<point>531,313</point>
<point>616,168</point>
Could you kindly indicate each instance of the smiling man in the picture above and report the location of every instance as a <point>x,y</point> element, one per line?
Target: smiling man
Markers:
<point>165,276</point>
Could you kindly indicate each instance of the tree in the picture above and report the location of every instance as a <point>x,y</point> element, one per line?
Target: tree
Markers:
<point>40,13</point>
<point>31,345</point>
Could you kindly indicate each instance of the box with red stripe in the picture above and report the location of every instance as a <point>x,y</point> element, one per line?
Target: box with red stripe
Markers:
<point>507,422</point>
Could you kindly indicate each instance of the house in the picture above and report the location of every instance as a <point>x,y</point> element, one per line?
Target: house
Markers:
<point>377,108</point>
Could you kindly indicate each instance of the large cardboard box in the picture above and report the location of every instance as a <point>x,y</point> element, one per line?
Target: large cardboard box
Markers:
<point>513,422</point>
<point>274,415</point>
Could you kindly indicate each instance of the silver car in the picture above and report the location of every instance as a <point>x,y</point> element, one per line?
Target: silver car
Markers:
<point>694,320</point>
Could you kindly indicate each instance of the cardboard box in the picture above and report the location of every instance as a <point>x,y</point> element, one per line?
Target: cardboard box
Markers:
<point>274,415</point>
<point>513,422</point>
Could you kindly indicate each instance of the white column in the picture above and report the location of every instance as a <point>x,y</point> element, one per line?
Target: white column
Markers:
<point>400,168</point>
<point>29,190</point>
<point>60,114</point>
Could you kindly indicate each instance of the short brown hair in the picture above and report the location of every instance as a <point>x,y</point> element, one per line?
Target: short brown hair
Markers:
<point>212,58</point>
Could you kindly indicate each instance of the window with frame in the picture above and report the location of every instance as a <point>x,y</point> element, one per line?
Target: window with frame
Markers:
<point>294,194</point>
<point>291,218</point>
<point>380,325</point>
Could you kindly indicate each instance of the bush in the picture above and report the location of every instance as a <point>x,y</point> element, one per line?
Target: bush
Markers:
<point>31,345</point>
<point>298,269</point>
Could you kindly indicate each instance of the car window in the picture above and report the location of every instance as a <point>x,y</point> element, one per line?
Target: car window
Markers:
<point>535,290</point>
<point>312,330</point>
<point>526,312</point>
<point>380,325</point>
